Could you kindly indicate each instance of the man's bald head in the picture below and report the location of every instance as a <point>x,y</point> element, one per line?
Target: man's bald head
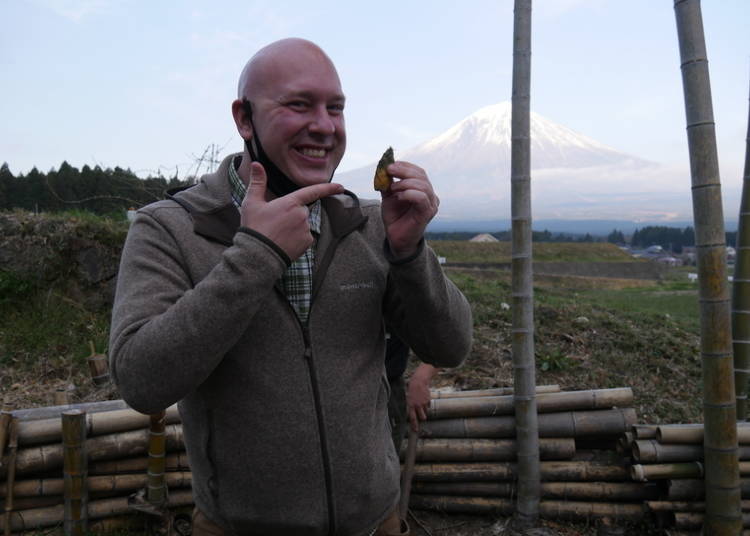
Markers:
<point>289,50</point>
<point>290,106</point>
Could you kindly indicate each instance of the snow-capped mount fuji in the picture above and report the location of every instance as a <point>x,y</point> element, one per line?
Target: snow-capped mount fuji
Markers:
<point>573,176</point>
<point>482,140</point>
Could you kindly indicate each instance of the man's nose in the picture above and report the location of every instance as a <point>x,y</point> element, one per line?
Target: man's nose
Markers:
<point>322,122</point>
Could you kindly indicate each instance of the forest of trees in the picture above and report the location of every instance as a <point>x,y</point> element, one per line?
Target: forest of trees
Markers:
<point>109,191</point>
<point>670,238</point>
<point>102,191</point>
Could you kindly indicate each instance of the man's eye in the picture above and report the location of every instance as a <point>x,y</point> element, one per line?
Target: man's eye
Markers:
<point>298,105</point>
<point>336,109</point>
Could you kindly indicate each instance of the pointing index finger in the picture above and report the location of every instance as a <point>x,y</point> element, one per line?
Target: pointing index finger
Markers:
<point>310,194</point>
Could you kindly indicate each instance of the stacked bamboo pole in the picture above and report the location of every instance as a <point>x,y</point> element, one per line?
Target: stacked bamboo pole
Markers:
<point>466,461</point>
<point>466,456</point>
<point>69,467</point>
<point>673,455</point>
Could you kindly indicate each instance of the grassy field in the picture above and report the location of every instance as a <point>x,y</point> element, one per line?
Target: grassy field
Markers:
<point>590,333</point>
<point>645,338</point>
<point>499,252</point>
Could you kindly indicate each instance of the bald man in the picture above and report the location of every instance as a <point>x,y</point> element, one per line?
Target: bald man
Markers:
<point>258,299</point>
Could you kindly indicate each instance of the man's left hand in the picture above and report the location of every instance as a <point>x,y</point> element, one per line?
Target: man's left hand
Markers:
<point>418,394</point>
<point>408,206</point>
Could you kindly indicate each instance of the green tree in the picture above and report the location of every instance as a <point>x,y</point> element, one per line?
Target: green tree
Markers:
<point>616,237</point>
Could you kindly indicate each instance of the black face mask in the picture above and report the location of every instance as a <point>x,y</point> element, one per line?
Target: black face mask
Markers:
<point>278,182</point>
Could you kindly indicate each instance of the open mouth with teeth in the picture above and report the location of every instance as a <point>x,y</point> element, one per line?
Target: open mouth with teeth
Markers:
<point>312,152</point>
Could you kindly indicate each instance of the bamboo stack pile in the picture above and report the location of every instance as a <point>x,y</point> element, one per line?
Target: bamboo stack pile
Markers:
<point>671,456</point>
<point>596,463</point>
<point>113,452</point>
<point>466,455</point>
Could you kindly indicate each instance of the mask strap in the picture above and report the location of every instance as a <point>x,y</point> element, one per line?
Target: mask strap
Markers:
<point>278,182</point>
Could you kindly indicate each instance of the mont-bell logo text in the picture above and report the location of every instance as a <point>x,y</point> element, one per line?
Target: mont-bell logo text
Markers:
<point>357,286</point>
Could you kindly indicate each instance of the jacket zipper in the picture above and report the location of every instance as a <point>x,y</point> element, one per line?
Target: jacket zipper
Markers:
<point>321,429</point>
<point>316,388</point>
<point>312,374</point>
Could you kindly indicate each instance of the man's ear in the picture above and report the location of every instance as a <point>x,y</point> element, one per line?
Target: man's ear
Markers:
<point>242,119</point>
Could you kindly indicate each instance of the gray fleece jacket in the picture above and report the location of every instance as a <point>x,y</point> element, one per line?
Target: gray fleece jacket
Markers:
<point>286,426</point>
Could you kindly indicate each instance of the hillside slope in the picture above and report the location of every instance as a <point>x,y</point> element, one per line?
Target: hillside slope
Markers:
<point>58,275</point>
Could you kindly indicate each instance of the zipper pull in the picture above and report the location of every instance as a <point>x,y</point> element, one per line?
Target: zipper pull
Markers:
<point>306,338</point>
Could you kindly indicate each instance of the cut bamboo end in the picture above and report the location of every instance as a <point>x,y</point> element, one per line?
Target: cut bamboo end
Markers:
<point>61,396</point>
<point>99,368</point>
<point>664,471</point>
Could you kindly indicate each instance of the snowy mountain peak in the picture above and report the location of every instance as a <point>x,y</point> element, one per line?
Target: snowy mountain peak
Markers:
<point>572,175</point>
<point>488,130</point>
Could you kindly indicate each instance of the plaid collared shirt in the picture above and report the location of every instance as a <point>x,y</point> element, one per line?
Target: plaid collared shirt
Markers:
<point>297,280</point>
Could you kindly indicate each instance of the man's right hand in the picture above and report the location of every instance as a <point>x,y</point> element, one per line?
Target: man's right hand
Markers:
<point>283,220</point>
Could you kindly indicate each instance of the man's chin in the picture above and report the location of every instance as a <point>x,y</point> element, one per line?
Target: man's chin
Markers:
<point>307,179</point>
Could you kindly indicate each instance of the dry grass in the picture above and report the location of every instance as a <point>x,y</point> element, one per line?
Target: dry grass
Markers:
<point>590,333</point>
<point>499,252</point>
<point>588,338</point>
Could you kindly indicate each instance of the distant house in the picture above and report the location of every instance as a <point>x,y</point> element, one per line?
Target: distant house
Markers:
<point>484,237</point>
<point>668,260</point>
<point>689,255</point>
<point>731,254</point>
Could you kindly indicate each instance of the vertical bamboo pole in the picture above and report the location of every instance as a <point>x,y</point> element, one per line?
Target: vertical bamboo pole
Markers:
<point>524,374</point>
<point>719,404</point>
<point>98,366</point>
<point>10,478</point>
<point>5,418</point>
<point>156,493</point>
<point>61,397</point>
<point>74,472</point>
<point>407,474</point>
<point>741,292</point>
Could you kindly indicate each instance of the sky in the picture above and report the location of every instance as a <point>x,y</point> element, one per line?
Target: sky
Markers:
<point>148,85</point>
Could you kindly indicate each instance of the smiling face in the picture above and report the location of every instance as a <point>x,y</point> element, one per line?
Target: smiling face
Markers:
<point>298,110</point>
